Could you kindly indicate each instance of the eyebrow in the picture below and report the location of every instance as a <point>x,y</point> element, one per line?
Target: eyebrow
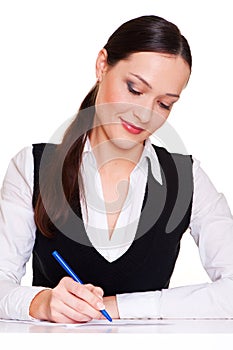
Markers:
<point>147,84</point>
<point>172,95</point>
<point>142,80</point>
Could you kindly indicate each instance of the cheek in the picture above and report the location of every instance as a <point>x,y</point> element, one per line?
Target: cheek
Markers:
<point>156,122</point>
<point>110,92</point>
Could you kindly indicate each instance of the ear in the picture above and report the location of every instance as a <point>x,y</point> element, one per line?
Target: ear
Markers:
<point>101,64</point>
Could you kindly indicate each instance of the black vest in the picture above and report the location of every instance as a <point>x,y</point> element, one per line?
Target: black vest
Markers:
<point>149,262</point>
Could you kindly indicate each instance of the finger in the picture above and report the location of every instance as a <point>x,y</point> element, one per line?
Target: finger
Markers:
<point>62,313</point>
<point>81,307</point>
<point>96,290</point>
<point>82,292</point>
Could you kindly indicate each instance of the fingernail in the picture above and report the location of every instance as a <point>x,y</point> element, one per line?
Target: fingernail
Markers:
<point>100,306</point>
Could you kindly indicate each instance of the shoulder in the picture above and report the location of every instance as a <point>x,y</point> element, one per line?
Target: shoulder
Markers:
<point>21,165</point>
<point>168,160</point>
<point>43,152</point>
<point>18,179</point>
<point>39,148</point>
<point>24,157</point>
<point>163,152</point>
<point>22,161</point>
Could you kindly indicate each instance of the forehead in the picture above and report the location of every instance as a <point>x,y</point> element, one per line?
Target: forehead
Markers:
<point>156,67</point>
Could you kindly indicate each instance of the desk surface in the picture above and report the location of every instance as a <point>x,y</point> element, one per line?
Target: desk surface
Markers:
<point>145,326</point>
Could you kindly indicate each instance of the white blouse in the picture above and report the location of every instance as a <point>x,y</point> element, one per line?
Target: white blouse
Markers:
<point>211,226</point>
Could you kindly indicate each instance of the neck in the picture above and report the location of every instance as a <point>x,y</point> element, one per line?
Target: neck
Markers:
<point>119,154</point>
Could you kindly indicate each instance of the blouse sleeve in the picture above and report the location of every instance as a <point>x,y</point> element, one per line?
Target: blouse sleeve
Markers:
<point>17,235</point>
<point>211,226</point>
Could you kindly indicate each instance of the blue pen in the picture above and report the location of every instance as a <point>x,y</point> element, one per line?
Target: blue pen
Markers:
<point>67,268</point>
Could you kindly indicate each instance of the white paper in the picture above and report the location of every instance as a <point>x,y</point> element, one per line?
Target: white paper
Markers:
<point>122,322</point>
<point>107,323</point>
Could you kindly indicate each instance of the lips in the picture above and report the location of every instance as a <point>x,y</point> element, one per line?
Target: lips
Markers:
<point>130,127</point>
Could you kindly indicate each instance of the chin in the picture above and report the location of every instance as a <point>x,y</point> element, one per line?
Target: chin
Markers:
<point>125,144</point>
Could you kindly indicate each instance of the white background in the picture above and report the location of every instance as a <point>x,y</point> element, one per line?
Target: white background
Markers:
<point>47,59</point>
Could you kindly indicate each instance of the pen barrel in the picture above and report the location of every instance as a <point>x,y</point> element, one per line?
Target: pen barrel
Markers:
<point>66,267</point>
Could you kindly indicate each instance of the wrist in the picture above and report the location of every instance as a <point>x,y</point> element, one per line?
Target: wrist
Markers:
<point>111,306</point>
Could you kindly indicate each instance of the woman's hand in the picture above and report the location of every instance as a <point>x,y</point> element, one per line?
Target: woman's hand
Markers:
<point>68,302</point>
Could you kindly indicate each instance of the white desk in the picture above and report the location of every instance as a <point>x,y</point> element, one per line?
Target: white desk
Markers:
<point>163,334</point>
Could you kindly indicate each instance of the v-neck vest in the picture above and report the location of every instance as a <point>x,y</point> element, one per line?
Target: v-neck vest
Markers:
<point>150,260</point>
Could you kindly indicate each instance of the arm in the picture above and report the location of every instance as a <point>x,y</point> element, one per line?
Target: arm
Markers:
<point>212,229</point>
<point>17,234</point>
<point>68,301</point>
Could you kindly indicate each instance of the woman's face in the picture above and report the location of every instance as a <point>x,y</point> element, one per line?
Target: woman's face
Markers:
<point>136,95</point>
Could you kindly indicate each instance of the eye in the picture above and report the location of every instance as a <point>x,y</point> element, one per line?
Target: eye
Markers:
<point>132,90</point>
<point>164,106</point>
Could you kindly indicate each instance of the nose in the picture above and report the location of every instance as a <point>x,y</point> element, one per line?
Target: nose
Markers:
<point>144,112</point>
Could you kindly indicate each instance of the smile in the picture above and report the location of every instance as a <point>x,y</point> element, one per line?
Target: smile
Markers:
<point>130,127</point>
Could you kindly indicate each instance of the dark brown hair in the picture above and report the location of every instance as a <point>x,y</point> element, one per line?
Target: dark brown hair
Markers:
<point>145,33</point>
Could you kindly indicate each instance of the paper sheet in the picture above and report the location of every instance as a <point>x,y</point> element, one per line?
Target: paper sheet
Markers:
<point>122,322</point>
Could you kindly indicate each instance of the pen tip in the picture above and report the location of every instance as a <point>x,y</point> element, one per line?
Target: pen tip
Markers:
<point>104,312</point>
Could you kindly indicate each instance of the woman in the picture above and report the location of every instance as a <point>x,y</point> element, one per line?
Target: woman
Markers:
<point>114,205</point>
